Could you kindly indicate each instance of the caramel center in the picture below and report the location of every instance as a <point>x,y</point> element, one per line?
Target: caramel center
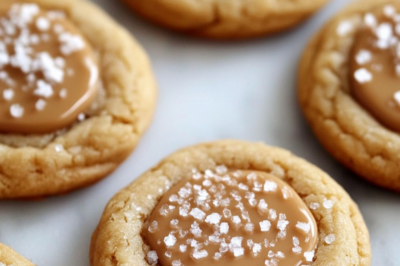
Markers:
<point>375,66</point>
<point>231,218</point>
<point>48,74</point>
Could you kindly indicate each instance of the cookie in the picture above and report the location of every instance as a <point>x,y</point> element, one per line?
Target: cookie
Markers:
<point>225,19</point>
<point>231,202</point>
<point>77,93</point>
<point>9,257</point>
<point>347,87</point>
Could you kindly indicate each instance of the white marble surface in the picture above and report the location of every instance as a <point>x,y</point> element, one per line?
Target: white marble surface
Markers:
<point>207,91</point>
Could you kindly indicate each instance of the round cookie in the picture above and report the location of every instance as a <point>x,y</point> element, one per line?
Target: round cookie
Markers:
<point>226,19</point>
<point>345,126</point>
<point>9,257</point>
<point>119,238</point>
<point>41,164</point>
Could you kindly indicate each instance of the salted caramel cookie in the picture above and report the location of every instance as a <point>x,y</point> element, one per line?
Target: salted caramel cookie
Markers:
<point>231,203</point>
<point>348,83</point>
<point>226,19</point>
<point>76,94</point>
<point>9,257</point>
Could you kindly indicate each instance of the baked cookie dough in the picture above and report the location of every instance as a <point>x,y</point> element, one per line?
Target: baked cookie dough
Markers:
<point>181,199</point>
<point>77,93</point>
<point>348,89</point>
<point>9,257</point>
<point>226,19</point>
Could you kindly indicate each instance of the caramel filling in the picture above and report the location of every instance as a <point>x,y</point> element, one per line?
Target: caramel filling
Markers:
<point>48,74</point>
<point>375,66</point>
<point>231,218</point>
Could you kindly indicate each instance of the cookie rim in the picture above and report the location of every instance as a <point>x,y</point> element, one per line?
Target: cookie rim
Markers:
<point>11,258</point>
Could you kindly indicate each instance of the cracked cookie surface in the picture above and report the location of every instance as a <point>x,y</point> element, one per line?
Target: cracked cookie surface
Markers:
<point>343,236</point>
<point>226,19</point>
<point>81,154</point>
<point>347,131</point>
<point>9,257</point>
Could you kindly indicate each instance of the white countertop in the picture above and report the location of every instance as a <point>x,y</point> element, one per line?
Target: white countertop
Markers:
<point>207,91</point>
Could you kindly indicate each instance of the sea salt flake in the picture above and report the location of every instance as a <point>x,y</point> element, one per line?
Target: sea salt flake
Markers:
<point>197,214</point>
<point>370,20</point>
<point>362,75</point>
<point>309,255</point>
<point>238,252</point>
<point>199,254</point>
<point>305,227</point>
<point>59,147</point>
<point>43,24</point>
<point>270,186</point>
<point>170,240</point>
<point>243,187</point>
<point>344,28</point>
<point>396,96</point>
<point>182,248</point>
<point>8,94</point>
<point>296,249</point>
<point>168,254</point>
<point>176,263</point>
<point>16,111</point>
<point>217,256</point>
<point>328,204</point>
<point>249,227</point>
<point>236,220</point>
<point>272,215</point>
<point>224,228</point>
<point>221,169</point>
<point>195,229</point>
<point>329,239</point>
<point>389,10</point>
<point>314,205</point>
<point>213,218</point>
<point>256,249</point>
<point>282,224</point>
<point>43,89</point>
<point>153,227</point>
<point>363,57</point>
<point>40,104</point>
<point>174,222</point>
<point>152,257</point>
<point>262,206</point>
<point>286,193</point>
<point>265,225</point>
<point>296,241</point>
<point>280,254</point>
<point>384,31</point>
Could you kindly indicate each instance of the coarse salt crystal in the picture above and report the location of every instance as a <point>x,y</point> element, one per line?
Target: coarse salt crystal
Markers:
<point>213,218</point>
<point>304,226</point>
<point>314,205</point>
<point>329,239</point>
<point>40,104</point>
<point>265,225</point>
<point>309,255</point>
<point>236,220</point>
<point>256,249</point>
<point>296,241</point>
<point>174,222</point>
<point>217,256</point>
<point>197,214</point>
<point>224,228</point>
<point>176,263</point>
<point>344,28</point>
<point>152,257</point>
<point>8,94</point>
<point>272,215</point>
<point>297,249</point>
<point>362,75</point>
<point>221,169</point>
<point>153,227</point>
<point>249,227</point>
<point>389,10</point>
<point>43,24</point>
<point>328,204</point>
<point>16,110</point>
<point>363,57</point>
<point>182,248</point>
<point>270,186</point>
<point>170,240</point>
<point>199,254</point>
